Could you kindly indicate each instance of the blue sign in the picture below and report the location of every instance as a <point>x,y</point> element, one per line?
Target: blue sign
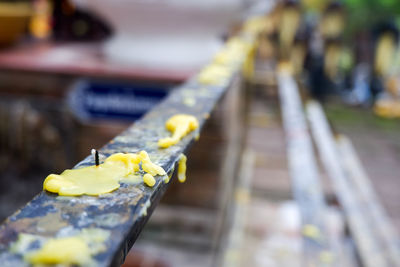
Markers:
<point>104,100</point>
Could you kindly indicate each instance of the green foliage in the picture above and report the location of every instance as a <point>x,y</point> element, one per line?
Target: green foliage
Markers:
<point>358,117</point>
<point>364,14</point>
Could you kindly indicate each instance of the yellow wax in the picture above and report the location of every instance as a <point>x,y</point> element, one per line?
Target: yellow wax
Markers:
<point>149,180</point>
<point>311,231</point>
<point>326,256</point>
<point>256,24</point>
<point>167,178</point>
<point>180,125</point>
<point>89,180</point>
<point>105,178</point>
<point>227,56</point>
<point>149,166</point>
<point>130,160</point>
<point>214,75</point>
<point>68,250</point>
<point>182,168</point>
<point>72,250</point>
<point>132,179</point>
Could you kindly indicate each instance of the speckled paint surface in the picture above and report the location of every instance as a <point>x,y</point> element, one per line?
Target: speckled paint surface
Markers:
<point>123,212</point>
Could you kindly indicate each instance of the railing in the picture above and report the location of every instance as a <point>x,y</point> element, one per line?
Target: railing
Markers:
<point>123,213</point>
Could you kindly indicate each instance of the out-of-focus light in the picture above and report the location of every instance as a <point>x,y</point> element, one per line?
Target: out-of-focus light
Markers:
<point>40,25</point>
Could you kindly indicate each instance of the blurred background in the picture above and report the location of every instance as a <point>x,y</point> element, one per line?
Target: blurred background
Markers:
<point>76,73</point>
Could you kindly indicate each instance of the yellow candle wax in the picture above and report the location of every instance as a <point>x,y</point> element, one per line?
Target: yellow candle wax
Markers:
<point>69,250</point>
<point>182,168</point>
<point>149,166</point>
<point>180,125</point>
<point>311,231</point>
<point>214,75</point>
<point>101,179</point>
<point>93,180</point>
<point>130,160</point>
<point>149,180</point>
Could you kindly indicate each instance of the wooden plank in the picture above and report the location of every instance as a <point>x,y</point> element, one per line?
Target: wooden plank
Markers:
<point>368,245</point>
<point>304,172</point>
<point>363,190</point>
<point>124,212</point>
<point>233,245</point>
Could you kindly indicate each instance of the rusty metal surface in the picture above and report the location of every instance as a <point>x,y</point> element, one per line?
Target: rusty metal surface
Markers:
<point>121,213</point>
